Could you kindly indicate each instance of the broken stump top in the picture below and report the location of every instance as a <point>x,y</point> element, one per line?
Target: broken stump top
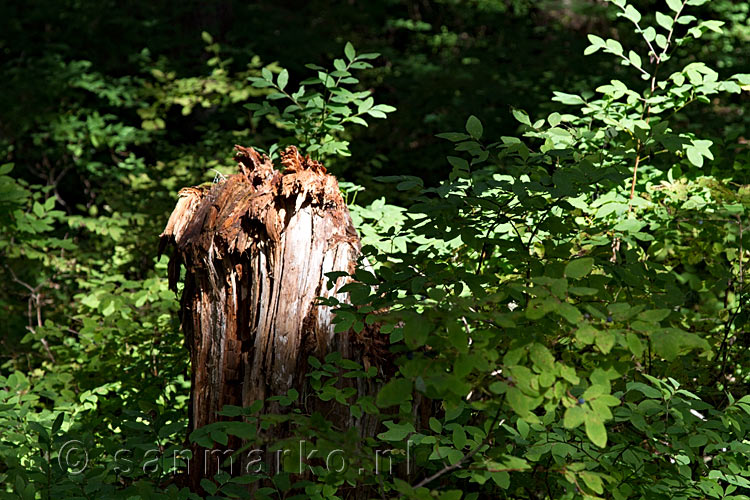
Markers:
<point>250,206</point>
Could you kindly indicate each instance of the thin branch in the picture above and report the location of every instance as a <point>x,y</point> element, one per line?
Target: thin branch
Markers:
<point>34,302</point>
<point>636,67</point>
<point>724,347</point>
<point>635,177</point>
<point>457,465</point>
<point>671,31</point>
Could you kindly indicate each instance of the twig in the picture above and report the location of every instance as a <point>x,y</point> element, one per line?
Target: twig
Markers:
<point>35,301</point>
<point>723,347</point>
<point>449,468</point>
<point>635,176</point>
<point>647,113</point>
<point>671,31</point>
<point>739,221</point>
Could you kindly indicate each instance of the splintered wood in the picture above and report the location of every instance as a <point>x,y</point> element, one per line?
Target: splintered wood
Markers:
<point>256,248</point>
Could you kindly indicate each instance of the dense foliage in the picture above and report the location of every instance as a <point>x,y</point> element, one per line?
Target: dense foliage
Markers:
<point>567,287</point>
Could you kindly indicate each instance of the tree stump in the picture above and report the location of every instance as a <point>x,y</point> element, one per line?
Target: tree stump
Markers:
<point>256,248</point>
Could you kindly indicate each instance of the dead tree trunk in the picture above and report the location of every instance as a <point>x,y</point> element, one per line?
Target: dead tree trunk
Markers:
<point>256,248</point>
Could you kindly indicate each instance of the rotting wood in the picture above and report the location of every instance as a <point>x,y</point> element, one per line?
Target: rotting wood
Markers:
<point>256,248</point>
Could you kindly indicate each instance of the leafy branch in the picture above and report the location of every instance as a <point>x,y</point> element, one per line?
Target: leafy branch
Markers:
<point>321,106</point>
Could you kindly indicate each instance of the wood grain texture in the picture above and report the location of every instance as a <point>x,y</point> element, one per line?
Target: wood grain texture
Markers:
<point>256,248</point>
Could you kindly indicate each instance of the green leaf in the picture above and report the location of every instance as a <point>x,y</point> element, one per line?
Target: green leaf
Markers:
<point>501,478</point>
<point>596,41</point>
<point>463,365</point>
<point>704,148</point>
<point>595,430</point>
<point>372,55</point>
<point>243,430</point>
<point>435,425</point>
<point>474,127</point>
<point>541,357</point>
<point>29,492</point>
<point>574,416</point>
<point>39,429</point>
<point>219,436</point>
<point>609,400</point>
<point>694,156</point>
<point>365,105</point>
<point>714,26</point>
<point>395,392</point>
<point>523,428</point>
<point>595,390</point>
<point>579,268</point>
<point>634,344</point>
<point>518,402</point>
<point>569,312</point>
<point>459,437</point>
<point>451,495</point>
<point>569,99</point>
<point>257,83</point>
<point>58,423</point>
<point>644,389</point>
<point>458,163</point>
<point>593,481</point>
<point>38,209</point>
<point>408,184</point>
<point>635,59</point>
<point>675,5</point>
<point>283,79</point>
<point>207,485</point>
<point>396,432</point>
<point>666,345</point>
<point>569,374</point>
<point>586,334</point>
<point>649,34</point>
<point>664,21</point>
<point>349,51</point>
<point>654,315</point>
<point>697,440</point>
<point>582,290</point>
<point>632,14</point>
<point>376,113</point>
<point>614,46</point>
<point>453,136</point>
<point>521,116</point>
<point>591,49</point>
<point>605,341</point>
<point>358,120</point>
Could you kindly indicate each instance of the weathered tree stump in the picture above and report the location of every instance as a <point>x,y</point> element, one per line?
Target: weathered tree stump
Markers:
<point>256,248</point>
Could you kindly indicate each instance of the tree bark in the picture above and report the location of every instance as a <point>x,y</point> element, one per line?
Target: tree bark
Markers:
<point>256,248</point>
